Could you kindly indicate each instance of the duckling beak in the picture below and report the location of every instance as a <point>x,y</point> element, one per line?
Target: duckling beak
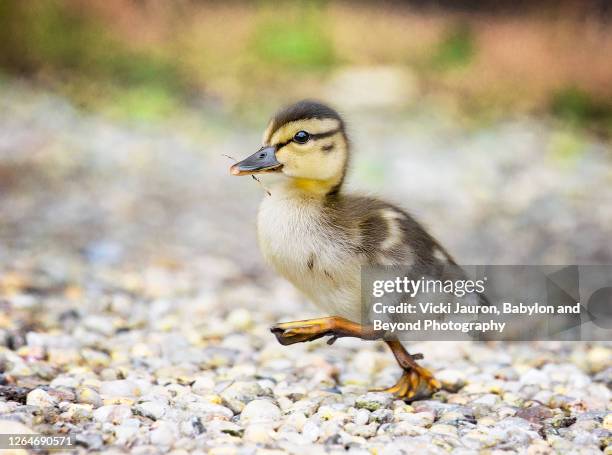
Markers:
<point>263,160</point>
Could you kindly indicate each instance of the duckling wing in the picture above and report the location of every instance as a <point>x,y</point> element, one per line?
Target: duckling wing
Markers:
<point>384,234</point>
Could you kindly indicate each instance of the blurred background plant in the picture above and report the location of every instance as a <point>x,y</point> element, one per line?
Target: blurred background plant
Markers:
<point>148,59</point>
<point>495,114</point>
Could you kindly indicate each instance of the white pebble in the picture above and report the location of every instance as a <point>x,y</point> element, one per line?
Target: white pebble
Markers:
<point>119,388</point>
<point>112,413</point>
<point>260,411</point>
<point>163,435</point>
<point>311,431</point>
<point>152,409</point>
<point>41,399</point>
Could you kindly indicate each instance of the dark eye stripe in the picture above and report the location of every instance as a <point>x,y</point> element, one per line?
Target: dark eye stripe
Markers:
<point>325,134</point>
<point>314,136</point>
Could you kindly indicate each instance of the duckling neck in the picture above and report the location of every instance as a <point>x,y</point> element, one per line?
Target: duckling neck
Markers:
<point>284,187</point>
<point>317,189</point>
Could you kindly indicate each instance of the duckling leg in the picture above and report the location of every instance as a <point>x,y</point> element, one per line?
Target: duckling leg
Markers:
<point>312,329</point>
<point>416,382</point>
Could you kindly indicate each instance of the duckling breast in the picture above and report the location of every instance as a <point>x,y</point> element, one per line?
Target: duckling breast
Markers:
<point>318,258</point>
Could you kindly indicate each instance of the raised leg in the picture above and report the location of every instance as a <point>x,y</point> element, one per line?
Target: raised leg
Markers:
<point>313,329</point>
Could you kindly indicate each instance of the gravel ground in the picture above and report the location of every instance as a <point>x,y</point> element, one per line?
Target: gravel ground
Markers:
<point>135,308</point>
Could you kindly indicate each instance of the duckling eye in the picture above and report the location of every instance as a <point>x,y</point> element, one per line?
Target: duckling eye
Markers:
<point>301,137</point>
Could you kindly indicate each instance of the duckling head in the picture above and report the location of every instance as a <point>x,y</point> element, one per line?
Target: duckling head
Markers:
<point>306,145</point>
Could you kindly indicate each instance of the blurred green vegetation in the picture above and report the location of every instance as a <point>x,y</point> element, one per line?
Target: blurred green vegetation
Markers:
<point>580,108</point>
<point>78,54</point>
<point>566,146</point>
<point>267,52</point>
<point>457,49</point>
<point>295,42</point>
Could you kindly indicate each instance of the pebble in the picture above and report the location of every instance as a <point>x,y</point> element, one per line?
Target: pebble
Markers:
<point>41,399</point>
<point>203,385</point>
<point>452,380</point>
<point>163,435</point>
<point>535,414</point>
<point>260,411</point>
<point>240,319</point>
<point>126,432</point>
<point>488,400</point>
<point>119,389</point>
<point>445,429</point>
<point>89,396</point>
<point>373,401</point>
<point>311,431</point>
<point>362,416</point>
<point>152,409</point>
<point>258,433</point>
<point>361,430</point>
<point>112,413</point>
<point>78,412</point>
<point>419,419</point>
<point>239,393</point>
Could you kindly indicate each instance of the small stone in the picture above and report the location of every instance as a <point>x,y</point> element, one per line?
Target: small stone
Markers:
<point>488,400</point>
<point>203,386</point>
<point>419,419</point>
<point>240,319</point>
<point>373,401</point>
<point>362,416</point>
<point>534,377</point>
<point>311,431</point>
<point>514,400</point>
<point>260,411</point>
<point>208,411</point>
<point>152,409</point>
<point>607,422</point>
<point>407,429</point>
<point>64,381</point>
<point>441,428</point>
<point>119,389</point>
<point>259,433</point>
<point>534,414</point>
<point>216,427</point>
<point>41,399</point>
<point>562,421</point>
<point>382,415</point>
<point>365,362</point>
<point>240,393</point>
<point>452,380</point>
<point>66,356</point>
<point>92,440</point>
<point>96,359</point>
<point>539,448</point>
<point>163,435</point>
<point>78,412</point>
<point>112,414</point>
<point>100,324</point>
<point>13,427</point>
<point>363,431</point>
<point>598,358</point>
<point>125,432</point>
<point>89,396</point>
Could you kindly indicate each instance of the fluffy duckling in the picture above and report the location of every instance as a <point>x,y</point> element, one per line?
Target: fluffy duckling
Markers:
<point>318,237</point>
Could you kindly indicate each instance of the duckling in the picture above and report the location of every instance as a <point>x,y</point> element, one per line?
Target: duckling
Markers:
<point>318,237</point>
